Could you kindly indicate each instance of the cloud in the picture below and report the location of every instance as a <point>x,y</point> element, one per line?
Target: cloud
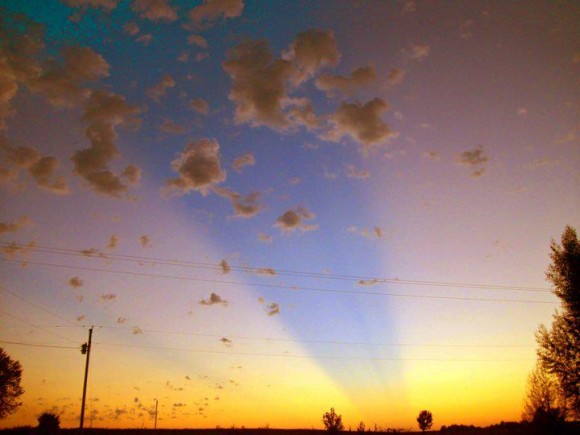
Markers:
<point>121,320</point>
<point>132,174</point>
<point>310,51</point>
<point>131,28</point>
<point>10,227</point>
<point>198,167</point>
<point>353,172</point>
<point>40,168</point>
<point>61,84</point>
<point>136,330</point>
<point>155,10</point>
<point>395,76</point>
<point>266,271</point>
<point>197,40</point>
<point>433,155</point>
<point>335,84</point>
<point>473,159</point>
<point>293,219</point>
<point>213,300</point>
<point>273,309</point>
<point>225,267</point>
<point>145,39</point>
<point>265,238</point>
<point>103,113</point>
<point>15,250</point>
<point>244,206</point>
<point>246,159</point>
<point>378,231</point>
<point>226,341</point>
<point>170,126</point>
<point>199,105</point>
<point>75,282</point>
<point>113,242</point>
<point>109,297</point>
<point>205,15</point>
<point>259,84</point>
<point>362,122</point>
<point>107,5</point>
<point>366,232</point>
<point>145,241</point>
<point>367,282</point>
<point>420,52</point>
<point>160,89</point>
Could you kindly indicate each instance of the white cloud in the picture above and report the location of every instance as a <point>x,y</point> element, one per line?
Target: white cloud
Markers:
<point>335,84</point>
<point>246,159</point>
<point>205,15</point>
<point>213,299</point>
<point>294,218</point>
<point>155,10</point>
<point>160,89</point>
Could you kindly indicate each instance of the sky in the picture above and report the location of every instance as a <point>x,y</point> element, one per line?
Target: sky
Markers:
<point>266,209</point>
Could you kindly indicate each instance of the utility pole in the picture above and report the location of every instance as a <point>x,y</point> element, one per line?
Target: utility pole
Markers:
<point>156,405</point>
<point>85,349</point>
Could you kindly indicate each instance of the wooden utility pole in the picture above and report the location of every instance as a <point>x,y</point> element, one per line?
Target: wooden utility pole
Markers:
<point>156,405</point>
<point>85,349</point>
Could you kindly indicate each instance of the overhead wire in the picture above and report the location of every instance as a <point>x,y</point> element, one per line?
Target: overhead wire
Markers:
<point>279,286</point>
<point>203,265</point>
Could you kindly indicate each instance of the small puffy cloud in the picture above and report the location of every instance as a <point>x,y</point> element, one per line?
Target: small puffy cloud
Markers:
<point>522,111</point>
<point>145,39</point>
<point>265,238</point>
<point>199,105</point>
<point>395,76</point>
<point>198,167</point>
<point>266,271</point>
<point>107,5</point>
<point>310,51</point>
<point>433,155</point>
<point>226,341</point>
<point>366,232</point>
<point>109,297</point>
<point>81,318</point>
<point>197,40</point>
<point>205,15</point>
<point>367,282</point>
<point>362,122</point>
<point>113,242</point>
<point>75,282</point>
<point>169,126</point>
<point>246,159</point>
<point>353,172</point>
<point>272,309</point>
<point>10,227</point>
<point>132,174</point>
<point>160,89</point>
<point>145,241</point>
<point>131,28</point>
<point>136,330</point>
<point>259,84</point>
<point>335,84</point>
<point>293,219</point>
<point>214,299</point>
<point>225,267</point>
<point>103,113</point>
<point>155,10</point>
<point>474,159</point>
<point>378,231</point>
<point>420,52</point>
<point>244,206</point>
<point>121,320</point>
<point>61,84</point>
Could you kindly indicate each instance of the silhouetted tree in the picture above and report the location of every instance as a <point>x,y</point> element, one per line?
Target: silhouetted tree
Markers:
<point>48,424</point>
<point>10,389</point>
<point>361,427</point>
<point>425,420</point>
<point>543,396</point>
<point>559,348</point>
<point>332,421</point>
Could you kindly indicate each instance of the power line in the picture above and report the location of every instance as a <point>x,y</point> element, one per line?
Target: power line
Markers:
<point>289,340</point>
<point>288,355</point>
<point>52,346</point>
<point>281,286</point>
<point>40,307</point>
<point>256,270</point>
<point>37,326</point>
